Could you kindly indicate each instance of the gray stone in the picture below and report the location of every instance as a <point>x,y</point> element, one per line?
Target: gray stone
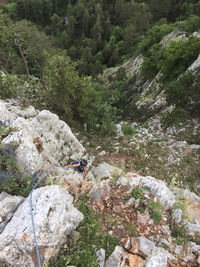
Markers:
<point>178,250</point>
<point>99,191</point>
<point>101,255</point>
<point>43,140</point>
<point>158,260</point>
<point>105,170</point>
<point>145,245</point>
<point>130,202</point>
<point>195,65</point>
<point>177,215</point>
<point>156,187</point>
<point>115,259</point>
<point>174,35</point>
<point>8,205</point>
<point>137,202</point>
<point>192,248</point>
<point>55,219</point>
<point>192,228</point>
<point>165,242</point>
<point>122,180</point>
<point>102,153</point>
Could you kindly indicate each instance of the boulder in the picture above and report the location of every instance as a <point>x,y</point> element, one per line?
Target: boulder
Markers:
<point>99,191</point>
<point>195,65</point>
<point>143,247</point>
<point>42,139</point>
<point>115,259</point>
<point>157,260</point>
<point>101,255</point>
<point>105,170</point>
<point>8,205</point>
<point>156,187</point>
<point>55,219</point>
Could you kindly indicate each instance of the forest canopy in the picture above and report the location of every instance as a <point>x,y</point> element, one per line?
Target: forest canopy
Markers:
<point>67,44</point>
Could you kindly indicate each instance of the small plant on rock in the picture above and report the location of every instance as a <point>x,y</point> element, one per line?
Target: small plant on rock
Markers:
<point>128,129</point>
<point>156,211</point>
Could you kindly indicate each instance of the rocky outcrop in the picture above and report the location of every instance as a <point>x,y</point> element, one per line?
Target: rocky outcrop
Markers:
<point>8,205</point>
<point>137,252</point>
<point>42,140</point>
<point>55,219</point>
<point>156,187</point>
<point>99,191</point>
<point>195,65</point>
<point>131,68</point>
<point>115,259</point>
<point>105,170</point>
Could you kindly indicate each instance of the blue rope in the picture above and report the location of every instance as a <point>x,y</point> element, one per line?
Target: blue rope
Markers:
<point>33,226</point>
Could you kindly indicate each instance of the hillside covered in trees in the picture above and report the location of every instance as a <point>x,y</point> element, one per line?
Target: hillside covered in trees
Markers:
<point>65,45</point>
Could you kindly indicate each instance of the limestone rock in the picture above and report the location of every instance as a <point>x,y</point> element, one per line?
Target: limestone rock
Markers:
<point>174,35</point>
<point>115,259</point>
<point>178,250</point>
<point>99,191</point>
<point>145,246</point>
<point>156,187</point>
<point>8,205</point>
<point>101,255</point>
<point>157,260</point>
<point>55,218</point>
<point>105,170</point>
<point>195,65</point>
<point>43,140</point>
<point>177,215</point>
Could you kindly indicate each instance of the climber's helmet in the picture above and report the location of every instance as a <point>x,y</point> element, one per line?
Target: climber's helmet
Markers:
<point>83,162</point>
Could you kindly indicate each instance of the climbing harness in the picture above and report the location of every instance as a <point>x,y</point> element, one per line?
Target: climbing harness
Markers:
<point>33,226</point>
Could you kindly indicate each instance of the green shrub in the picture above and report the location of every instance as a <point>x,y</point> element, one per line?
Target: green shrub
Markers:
<point>174,117</point>
<point>131,229</point>
<point>178,56</point>
<point>156,211</point>
<point>83,253</point>
<point>137,193</point>
<point>9,172</point>
<point>190,25</point>
<point>154,36</point>
<point>128,129</point>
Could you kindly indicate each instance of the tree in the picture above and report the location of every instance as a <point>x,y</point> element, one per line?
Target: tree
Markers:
<point>7,52</point>
<point>72,96</point>
<point>31,44</point>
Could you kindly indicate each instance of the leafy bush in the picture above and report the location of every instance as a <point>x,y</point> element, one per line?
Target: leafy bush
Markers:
<point>128,129</point>
<point>154,36</point>
<point>149,67</point>
<point>156,211</point>
<point>83,253</point>
<point>190,25</point>
<point>178,56</point>
<point>174,117</point>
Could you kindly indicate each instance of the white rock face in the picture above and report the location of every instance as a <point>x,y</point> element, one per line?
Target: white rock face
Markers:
<point>55,218</point>
<point>115,259</point>
<point>157,260</point>
<point>105,170</point>
<point>156,187</point>
<point>101,255</point>
<point>172,36</point>
<point>8,205</point>
<point>41,137</point>
<point>195,65</point>
<point>99,191</point>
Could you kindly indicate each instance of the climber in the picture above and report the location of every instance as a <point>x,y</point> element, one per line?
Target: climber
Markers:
<point>80,166</point>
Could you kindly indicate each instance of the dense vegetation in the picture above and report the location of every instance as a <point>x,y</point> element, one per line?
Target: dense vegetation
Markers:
<point>63,42</point>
